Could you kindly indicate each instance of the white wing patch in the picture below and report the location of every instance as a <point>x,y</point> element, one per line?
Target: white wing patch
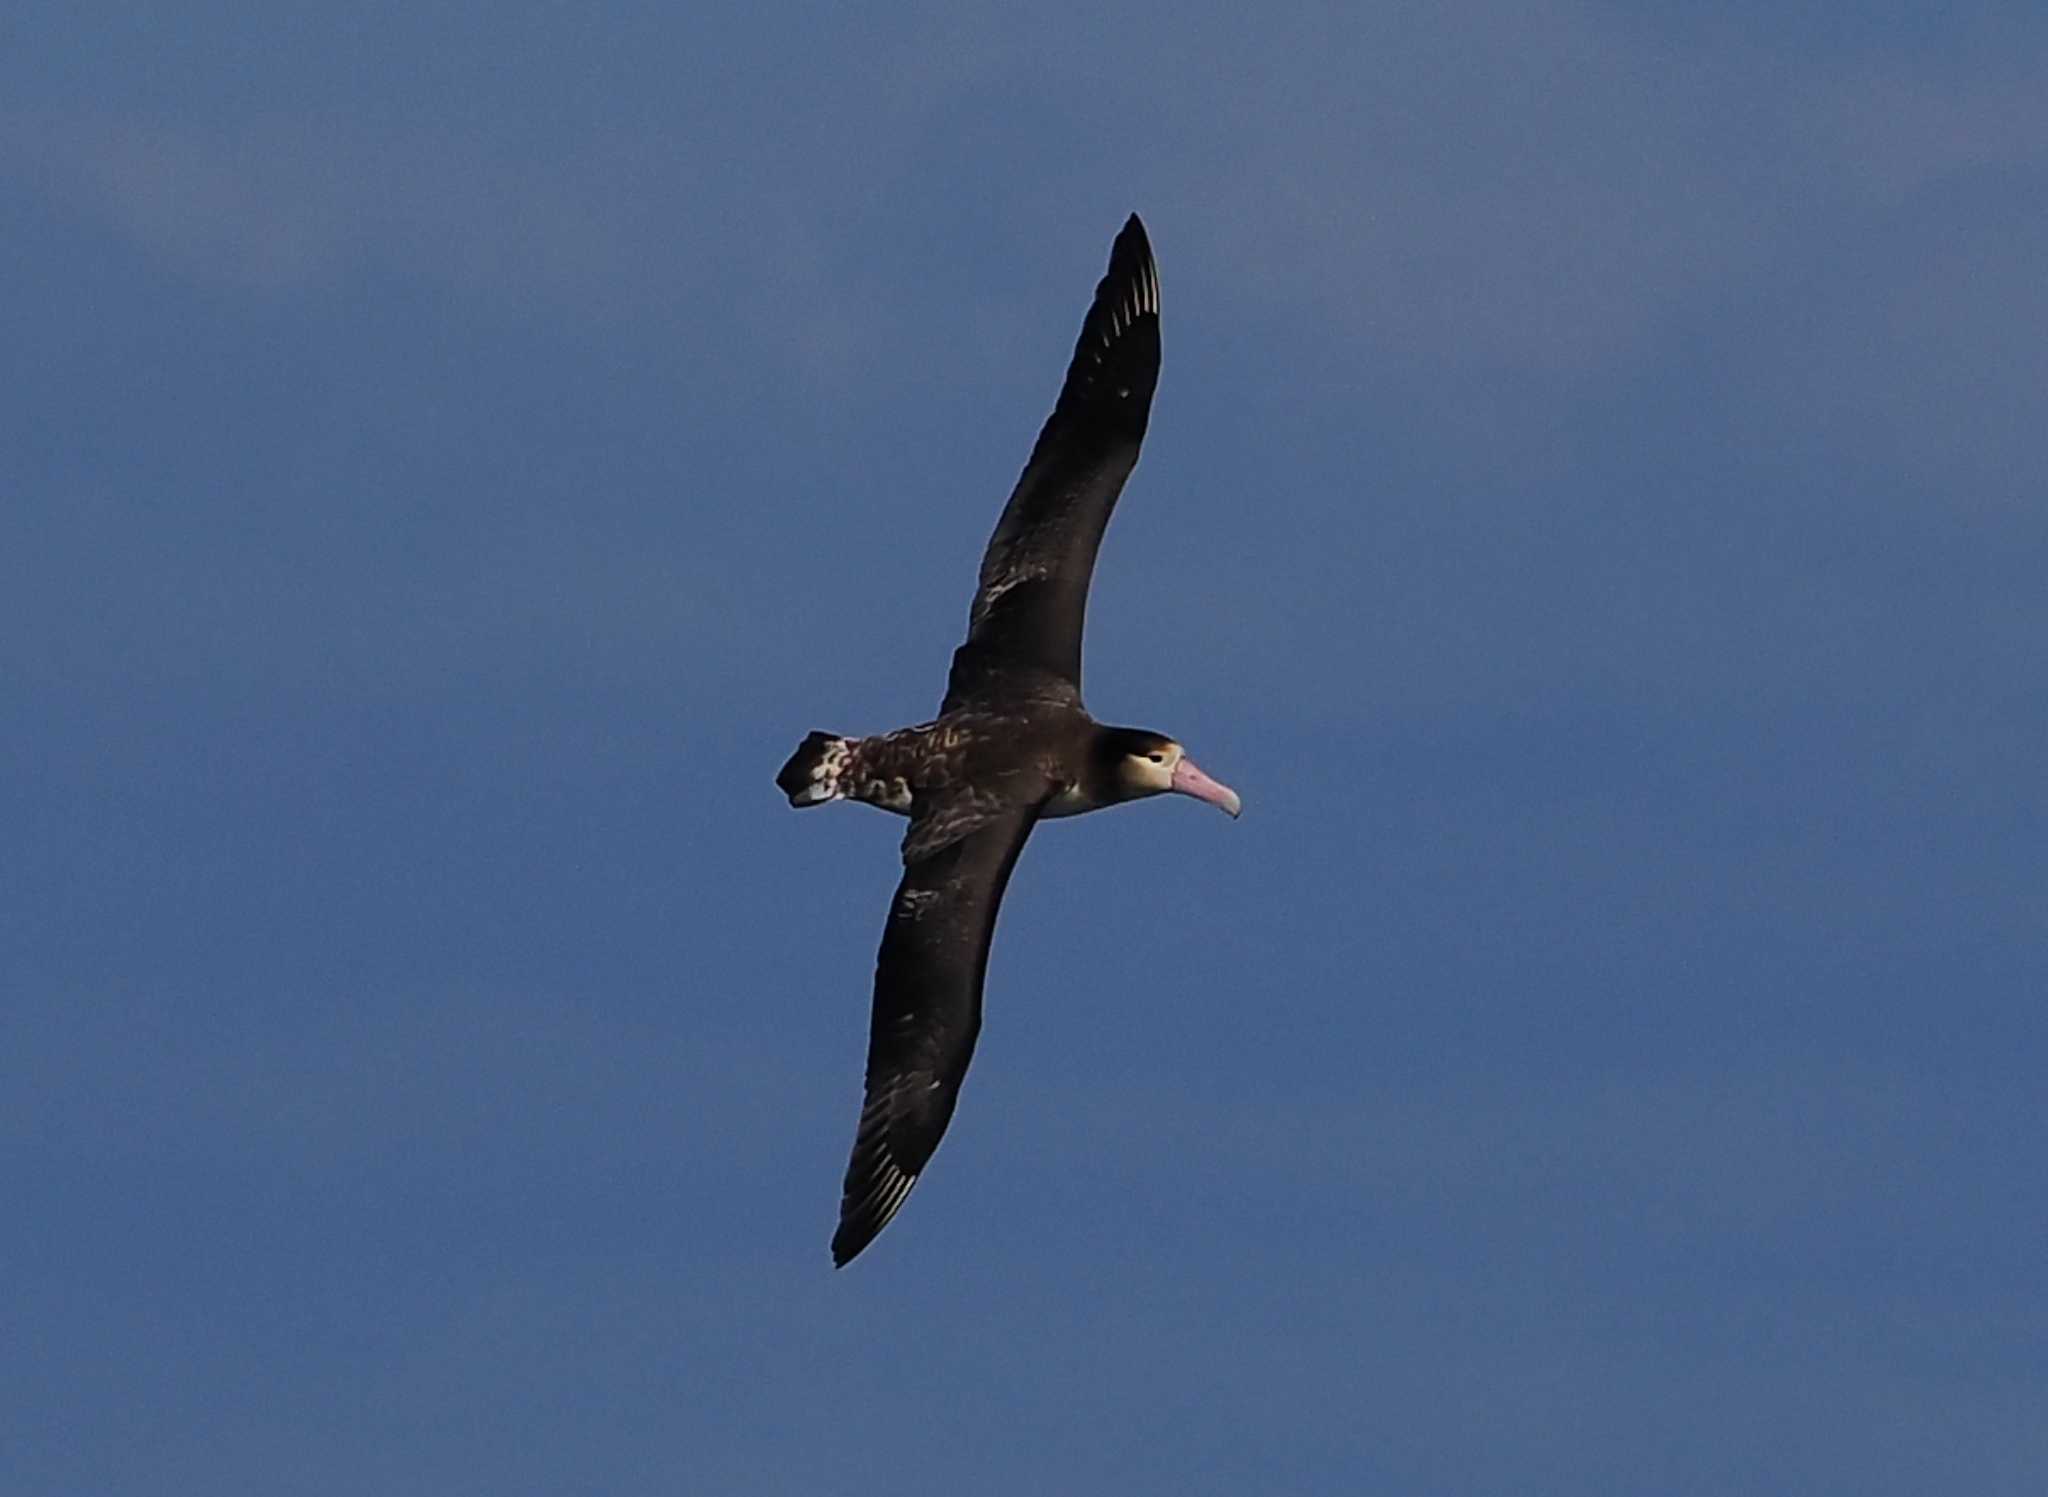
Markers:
<point>1013,575</point>
<point>887,1185</point>
<point>913,904</point>
<point>895,1185</point>
<point>1141,296</point>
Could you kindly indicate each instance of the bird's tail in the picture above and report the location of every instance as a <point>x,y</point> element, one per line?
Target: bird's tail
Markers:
<point>811,777</point>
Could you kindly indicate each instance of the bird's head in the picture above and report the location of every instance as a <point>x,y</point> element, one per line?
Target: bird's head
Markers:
<point>1141,763</point>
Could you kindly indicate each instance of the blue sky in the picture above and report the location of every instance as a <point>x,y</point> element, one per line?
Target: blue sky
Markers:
<point>1593,511</point>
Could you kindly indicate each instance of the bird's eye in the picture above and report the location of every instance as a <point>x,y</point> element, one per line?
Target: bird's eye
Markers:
<point>1157,758</point>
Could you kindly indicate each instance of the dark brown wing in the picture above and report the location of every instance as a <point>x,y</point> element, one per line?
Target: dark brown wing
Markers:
<point>927,1014</point>
<point>1024,633</point>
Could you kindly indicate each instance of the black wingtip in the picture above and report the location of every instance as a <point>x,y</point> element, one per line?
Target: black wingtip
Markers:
<point>1116,358</point>
<point>875,1192</point>
<point>1131,272</point>
<point>1131,248</point>
<point>854,1234</point>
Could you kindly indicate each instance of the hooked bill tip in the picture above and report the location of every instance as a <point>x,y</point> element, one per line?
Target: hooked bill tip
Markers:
<point>1188,779</point>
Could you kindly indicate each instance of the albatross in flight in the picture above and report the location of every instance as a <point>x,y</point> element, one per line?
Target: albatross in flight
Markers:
<point>1011,744</point>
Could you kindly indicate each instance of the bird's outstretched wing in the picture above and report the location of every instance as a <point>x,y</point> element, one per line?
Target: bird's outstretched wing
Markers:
<point>927,1014</point>
<point>1024,632</point>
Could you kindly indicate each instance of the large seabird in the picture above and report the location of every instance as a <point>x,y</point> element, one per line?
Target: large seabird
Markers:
<point>1012,743</point>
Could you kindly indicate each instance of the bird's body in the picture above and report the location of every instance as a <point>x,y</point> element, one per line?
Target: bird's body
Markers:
<point>1012,745</point>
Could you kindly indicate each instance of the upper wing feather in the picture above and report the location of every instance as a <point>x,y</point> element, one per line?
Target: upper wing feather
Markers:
<point>1025,627</point>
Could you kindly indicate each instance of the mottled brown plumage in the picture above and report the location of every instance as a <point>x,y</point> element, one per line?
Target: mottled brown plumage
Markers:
<point>1012,744</point>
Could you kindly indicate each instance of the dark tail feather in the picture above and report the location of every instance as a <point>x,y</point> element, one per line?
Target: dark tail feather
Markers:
<point>811,777</point>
